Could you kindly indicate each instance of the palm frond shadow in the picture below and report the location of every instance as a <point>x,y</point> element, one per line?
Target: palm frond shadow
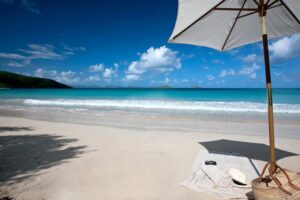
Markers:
<point>22,156</point>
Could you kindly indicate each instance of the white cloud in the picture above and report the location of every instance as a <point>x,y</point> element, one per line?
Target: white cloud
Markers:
<point>45,73</point>
<point>159,60</point>
<point>93,78</point>
<point>37,51</point>
<point>116,65</point>
<point>67,77</point>
<point>134,68</point>
<point>15,60</point>
<point>39,72</point>
<point>227,72</point>
<point>96,68</point>
<point>210,77</point>
<point>285,48</point>
<point>131,77</point>
<point>167,80</point>
<point>250,58</point>
<point>14,64</point>
<point>109,73</point>
<point>12,56</point>
<point>250,71</point>
<point>68,73</point>
<point>33,52</point>
<point>72,50</point>
<point>17,63</point>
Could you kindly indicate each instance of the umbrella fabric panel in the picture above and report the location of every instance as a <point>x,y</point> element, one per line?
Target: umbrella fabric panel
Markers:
<point>294,5</point>
<point>210,32</point>
<point>239,37</point>
<point>189,11</point>
<point>279,23</point>
<point>220,29</point>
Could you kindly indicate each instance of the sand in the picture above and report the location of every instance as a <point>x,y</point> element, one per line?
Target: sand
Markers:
<point>55,160</point>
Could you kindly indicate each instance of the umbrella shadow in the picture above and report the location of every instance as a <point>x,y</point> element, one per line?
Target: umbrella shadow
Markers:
<point>23,156</point>
<point>257,151</point>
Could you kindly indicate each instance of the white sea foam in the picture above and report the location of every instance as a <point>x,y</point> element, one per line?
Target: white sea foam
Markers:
<point>213,106</point>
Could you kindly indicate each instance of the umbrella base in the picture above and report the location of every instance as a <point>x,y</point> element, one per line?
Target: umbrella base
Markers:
<point>278,184</point>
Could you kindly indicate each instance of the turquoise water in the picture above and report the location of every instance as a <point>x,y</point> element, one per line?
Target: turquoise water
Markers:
<point>285,96</point>
<point>143,100</point>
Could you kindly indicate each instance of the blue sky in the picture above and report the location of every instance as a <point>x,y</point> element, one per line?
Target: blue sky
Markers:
<point>124,43</point>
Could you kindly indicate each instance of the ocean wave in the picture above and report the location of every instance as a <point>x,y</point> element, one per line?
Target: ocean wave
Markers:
<point>214,106</point>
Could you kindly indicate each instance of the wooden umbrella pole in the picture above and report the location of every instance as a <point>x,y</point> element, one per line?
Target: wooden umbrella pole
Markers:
<point>262,13</point>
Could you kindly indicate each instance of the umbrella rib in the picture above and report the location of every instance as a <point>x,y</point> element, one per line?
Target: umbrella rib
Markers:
<point>267,2</point>
<point>275,6</point>
<point>271,4</point>
<point>256,2</point>
<point>201,17</point>
<point>291,12</point>
<point>236,9</point>
<point>236,19</point>
<point>251,13</point>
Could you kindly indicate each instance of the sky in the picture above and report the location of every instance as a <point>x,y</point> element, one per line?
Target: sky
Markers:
<point>98,43</point>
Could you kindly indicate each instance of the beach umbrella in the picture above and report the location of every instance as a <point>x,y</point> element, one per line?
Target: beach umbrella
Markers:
<point>227,24</point>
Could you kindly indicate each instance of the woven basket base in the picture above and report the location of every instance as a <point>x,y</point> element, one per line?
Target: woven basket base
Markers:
<point>262,191</point>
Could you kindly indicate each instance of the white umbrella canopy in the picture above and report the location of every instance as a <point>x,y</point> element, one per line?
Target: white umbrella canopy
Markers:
<point>226,24</point>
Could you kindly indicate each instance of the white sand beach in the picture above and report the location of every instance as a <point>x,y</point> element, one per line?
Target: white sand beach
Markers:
<point>55,160</point>
<point>149,100</point>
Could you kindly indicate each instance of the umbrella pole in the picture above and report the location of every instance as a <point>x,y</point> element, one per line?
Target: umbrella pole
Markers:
<point>273,166</point>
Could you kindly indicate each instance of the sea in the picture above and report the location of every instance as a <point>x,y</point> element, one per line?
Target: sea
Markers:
<point>198,103</point>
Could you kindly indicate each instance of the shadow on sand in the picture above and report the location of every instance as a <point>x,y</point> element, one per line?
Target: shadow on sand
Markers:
<point>14,128</point>
<point>255,151</point>
<point>22,156</point>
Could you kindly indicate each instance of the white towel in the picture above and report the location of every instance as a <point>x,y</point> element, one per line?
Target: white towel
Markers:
<point>216,180</point>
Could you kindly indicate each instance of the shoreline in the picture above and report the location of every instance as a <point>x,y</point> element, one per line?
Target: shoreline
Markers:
<point>179,123</point>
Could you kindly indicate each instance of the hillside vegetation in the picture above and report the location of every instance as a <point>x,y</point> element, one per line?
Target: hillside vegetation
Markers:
<point>12,80</point>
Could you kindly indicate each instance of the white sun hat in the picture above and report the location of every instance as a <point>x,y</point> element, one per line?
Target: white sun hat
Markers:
<point>238,176</point>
